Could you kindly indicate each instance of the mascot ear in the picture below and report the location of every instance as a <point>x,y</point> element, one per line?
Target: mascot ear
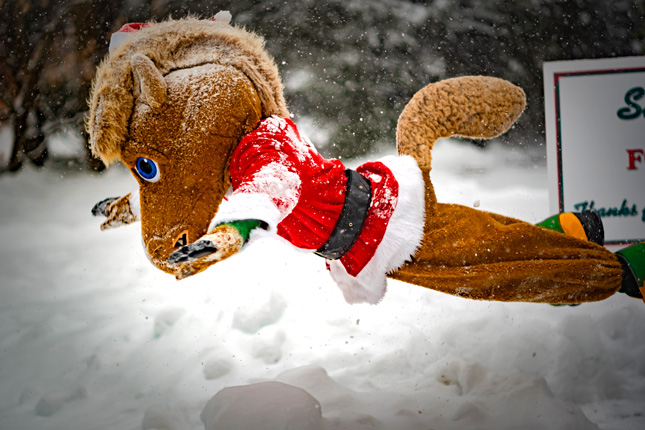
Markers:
<point>149,80</point>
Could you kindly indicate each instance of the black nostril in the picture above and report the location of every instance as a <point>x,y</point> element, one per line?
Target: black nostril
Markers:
<point>194,251</point>
<point>182,240</point>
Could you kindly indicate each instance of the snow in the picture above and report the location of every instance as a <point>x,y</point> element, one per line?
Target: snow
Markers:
<point>92,336</point>
<point>274,405</point>
<point>278,181</point>
<point>66,144</point>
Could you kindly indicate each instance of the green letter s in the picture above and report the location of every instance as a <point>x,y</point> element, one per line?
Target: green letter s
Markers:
<point>635,93</point>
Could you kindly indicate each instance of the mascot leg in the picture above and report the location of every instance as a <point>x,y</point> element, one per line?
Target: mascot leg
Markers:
<point>481,255</point>
<point>588,226</point>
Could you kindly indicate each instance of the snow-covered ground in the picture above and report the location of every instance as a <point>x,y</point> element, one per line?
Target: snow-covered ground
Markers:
<point>92,336</point>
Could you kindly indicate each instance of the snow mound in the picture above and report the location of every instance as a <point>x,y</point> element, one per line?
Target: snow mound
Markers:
<point>163,417</point>
<point>508,400</point>
<point>454,394</point>
<point>251,317</point>
<point>265,405</point>
<point>457,395</point>
<point>53,402</point>
<point>216,367</point>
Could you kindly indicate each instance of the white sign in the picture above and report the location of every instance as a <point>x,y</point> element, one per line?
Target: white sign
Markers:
<point>595,134</point>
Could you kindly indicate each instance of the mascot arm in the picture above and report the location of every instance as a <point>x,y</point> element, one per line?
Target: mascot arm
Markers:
<point>267,187</point>
<point>222,242</point>
<point>118,210</point>
<point>266,174</point>
<point>266,191</point>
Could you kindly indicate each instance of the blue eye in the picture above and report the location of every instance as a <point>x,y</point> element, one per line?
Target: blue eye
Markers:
<point>147,169</point>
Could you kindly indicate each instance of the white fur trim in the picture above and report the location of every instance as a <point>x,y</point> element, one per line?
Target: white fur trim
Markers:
<point>223,16</point>
<point>402,237</point>
<point>244,206</point>
<point>117,39</point>
<point>135,205</point>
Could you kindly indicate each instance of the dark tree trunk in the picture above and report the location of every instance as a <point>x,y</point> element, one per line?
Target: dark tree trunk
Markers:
<point>19,127</point>
<point>34,146</point>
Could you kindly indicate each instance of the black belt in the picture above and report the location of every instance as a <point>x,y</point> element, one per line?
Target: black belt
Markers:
<point>358,198</point>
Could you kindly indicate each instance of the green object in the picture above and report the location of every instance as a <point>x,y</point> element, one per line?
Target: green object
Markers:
<point>635,257</point>
<point>552,223</point>
<point>244,227</point>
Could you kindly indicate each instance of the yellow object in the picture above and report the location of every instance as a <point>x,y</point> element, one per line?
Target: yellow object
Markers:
<point>572,226</point>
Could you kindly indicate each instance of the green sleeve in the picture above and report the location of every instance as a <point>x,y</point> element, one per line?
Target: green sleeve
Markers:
<point>244,227</point>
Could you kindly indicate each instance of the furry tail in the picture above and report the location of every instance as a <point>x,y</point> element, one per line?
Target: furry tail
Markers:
<point>479,107</point>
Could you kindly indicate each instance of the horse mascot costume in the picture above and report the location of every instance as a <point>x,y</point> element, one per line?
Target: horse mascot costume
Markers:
<point>195,109</point>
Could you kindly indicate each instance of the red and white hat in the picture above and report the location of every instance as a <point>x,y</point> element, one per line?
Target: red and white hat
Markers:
<point>126,31</point>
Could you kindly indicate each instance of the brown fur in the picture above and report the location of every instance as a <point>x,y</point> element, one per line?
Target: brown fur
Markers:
<point>118,213</point>
<point>485,256</point>
<point>209,109</point>
<point>149,83</point>
<point>175,45</point>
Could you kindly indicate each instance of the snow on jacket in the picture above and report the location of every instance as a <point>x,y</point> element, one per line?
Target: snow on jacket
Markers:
<point>278,177</point>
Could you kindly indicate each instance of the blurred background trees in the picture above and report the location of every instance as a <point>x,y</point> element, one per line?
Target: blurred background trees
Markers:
<point>349,66</point>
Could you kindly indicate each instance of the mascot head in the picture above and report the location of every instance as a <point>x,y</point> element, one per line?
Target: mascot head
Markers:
<point>171,102</point>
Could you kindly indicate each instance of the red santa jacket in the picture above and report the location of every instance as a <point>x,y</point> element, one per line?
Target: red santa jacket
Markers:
<point>278,177</point>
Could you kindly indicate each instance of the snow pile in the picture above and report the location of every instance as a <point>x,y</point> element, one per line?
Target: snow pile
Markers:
<point>265,405</point>
<point>92,336</point>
